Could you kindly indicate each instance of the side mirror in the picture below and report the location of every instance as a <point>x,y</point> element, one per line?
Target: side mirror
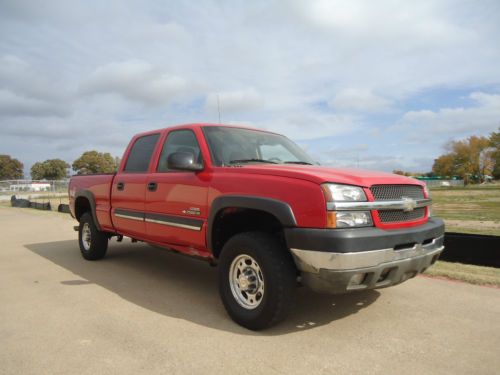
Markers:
<point>183,161</point>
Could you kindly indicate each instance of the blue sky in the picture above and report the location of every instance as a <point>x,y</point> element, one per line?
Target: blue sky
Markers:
<point>371,84</point>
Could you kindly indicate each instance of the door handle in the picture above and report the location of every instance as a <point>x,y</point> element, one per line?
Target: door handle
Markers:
<point>120,186</point>
<point>152,186</point>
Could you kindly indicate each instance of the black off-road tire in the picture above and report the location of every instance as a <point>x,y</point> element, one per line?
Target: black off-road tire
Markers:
<point>98,245</point>
<point>279,279</point>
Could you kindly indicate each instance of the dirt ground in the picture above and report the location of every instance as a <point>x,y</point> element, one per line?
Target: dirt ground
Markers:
<point>145,310</point>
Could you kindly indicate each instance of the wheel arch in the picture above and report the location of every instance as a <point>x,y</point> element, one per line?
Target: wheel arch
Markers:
<point>85,202</point>
<point>234,214</point>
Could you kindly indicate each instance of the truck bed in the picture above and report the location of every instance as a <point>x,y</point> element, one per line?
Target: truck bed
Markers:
<point>99,185</point>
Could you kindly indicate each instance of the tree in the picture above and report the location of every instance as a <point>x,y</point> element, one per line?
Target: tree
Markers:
<point>495,144</point>
<point>444,165</point>
<point>10,169</point>
<point>94,162</point>
<point>466,158</point>
<point>52,169</point>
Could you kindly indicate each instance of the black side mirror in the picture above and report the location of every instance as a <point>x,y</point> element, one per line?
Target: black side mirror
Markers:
<point>183,161</point>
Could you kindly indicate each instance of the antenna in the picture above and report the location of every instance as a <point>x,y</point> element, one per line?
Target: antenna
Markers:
<point>218,106</point>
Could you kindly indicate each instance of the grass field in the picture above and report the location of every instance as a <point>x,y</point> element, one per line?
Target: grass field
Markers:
<point>471,209</point>
<point>465,272</point>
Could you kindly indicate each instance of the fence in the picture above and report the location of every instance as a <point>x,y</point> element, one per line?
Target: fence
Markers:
<point>38,192</point>
<point>444,183</point>
<point>33,186</point>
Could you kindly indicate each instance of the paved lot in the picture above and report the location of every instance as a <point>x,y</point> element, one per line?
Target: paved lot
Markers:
<point>144,310</point>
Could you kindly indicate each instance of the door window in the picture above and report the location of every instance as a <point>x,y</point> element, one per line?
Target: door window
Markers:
<point>140,154</point>
<point>179,141</point>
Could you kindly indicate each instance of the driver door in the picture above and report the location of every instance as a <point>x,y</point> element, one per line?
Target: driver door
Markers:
<point>176,201</point>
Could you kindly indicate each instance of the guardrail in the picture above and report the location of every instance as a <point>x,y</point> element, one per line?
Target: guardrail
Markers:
<point>481,250</point>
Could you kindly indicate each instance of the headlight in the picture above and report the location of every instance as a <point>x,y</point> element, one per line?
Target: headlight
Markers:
<point>343,193</point>
<point>427,191</point>
<point>346,219</point>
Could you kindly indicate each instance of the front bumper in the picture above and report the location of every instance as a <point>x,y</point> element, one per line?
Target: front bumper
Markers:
<point>344,260</point>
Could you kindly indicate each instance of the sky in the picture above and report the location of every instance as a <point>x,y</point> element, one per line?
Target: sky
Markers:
<point>378,85</point>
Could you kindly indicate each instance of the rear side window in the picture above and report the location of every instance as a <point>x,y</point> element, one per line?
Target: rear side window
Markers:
<point>140,154</point>
<point>179,141</point>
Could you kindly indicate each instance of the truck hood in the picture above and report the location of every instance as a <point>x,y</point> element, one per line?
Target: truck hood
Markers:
<point>319,174</point>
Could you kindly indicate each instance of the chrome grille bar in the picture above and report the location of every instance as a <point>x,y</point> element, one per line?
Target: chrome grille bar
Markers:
<point>403,205</point>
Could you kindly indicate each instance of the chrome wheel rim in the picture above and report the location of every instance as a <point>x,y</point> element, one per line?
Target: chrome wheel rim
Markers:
<point>86,236</point>
<point>246,281</point>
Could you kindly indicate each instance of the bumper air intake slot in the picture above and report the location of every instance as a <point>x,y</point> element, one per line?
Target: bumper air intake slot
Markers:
<point>404,246</point>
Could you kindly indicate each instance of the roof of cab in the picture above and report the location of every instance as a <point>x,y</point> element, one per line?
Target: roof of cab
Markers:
<point>197,125</point>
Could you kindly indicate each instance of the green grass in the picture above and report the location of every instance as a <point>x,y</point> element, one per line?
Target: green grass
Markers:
<point>485,231</point>
<point>467,207</point>
<point>465,272</point>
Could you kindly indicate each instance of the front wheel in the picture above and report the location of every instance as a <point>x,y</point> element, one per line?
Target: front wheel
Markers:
<point>93,243</point>
<point>257,280</point>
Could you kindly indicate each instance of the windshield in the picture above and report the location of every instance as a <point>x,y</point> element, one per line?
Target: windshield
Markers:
<point>229,146</point>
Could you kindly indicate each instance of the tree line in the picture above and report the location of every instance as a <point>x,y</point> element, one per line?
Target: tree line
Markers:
<point>57,169</point>
<point>473,159</point>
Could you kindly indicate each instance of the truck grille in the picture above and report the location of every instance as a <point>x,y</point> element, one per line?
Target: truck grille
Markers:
<point>397,192</point>
<point>397,216</point>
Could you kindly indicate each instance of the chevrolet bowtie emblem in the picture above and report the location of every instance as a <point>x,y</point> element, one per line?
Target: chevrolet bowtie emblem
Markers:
<point>409,204</point>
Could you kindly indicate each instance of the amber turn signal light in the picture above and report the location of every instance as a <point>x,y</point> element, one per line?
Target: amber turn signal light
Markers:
<point>331,219</point>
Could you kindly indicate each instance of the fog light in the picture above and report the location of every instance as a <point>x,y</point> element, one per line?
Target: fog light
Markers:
<point>346,219</point>
<point>357,279</point>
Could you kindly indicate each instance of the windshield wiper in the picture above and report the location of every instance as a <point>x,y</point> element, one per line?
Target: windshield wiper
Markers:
<point>297,162</point>
<point>239,161</point>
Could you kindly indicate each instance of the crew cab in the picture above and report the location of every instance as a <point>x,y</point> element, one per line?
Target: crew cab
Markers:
<point>256,205</point>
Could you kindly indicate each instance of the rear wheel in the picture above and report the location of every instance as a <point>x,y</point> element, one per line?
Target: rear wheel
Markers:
<point>257,280</point>
<point>93,243</point>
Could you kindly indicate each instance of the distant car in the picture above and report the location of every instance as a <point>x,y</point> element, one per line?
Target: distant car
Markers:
<point>256,205</point>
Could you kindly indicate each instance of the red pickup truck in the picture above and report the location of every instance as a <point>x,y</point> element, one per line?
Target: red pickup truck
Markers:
<point>257,206</point>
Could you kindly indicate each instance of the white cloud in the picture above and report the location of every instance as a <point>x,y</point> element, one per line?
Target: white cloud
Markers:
<point>235,101</point>
<point>26,92</point>
<point>117,68</point>
<point>359,100</point>
<point>384,18</point>
<point>135,80</point>
<point>15,105</point>
<point>481,118</point>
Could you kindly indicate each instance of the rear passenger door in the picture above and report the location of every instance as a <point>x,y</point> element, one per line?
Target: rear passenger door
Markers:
<point>176,201</point>
<point>129,187</point>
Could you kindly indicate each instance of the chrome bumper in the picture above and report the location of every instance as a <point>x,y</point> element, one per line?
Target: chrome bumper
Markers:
<point>344,272</point>
<point>313,261</point>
